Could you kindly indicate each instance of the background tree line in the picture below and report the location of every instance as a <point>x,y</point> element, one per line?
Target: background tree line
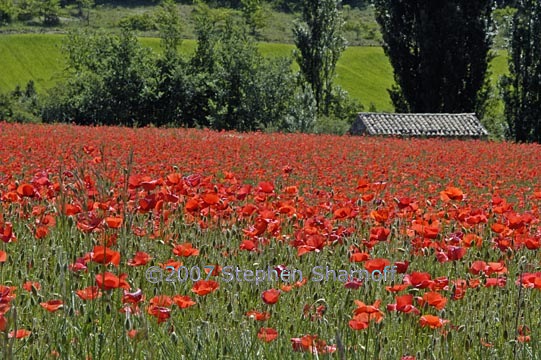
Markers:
<point>226,84</point>
<point>439,52</point>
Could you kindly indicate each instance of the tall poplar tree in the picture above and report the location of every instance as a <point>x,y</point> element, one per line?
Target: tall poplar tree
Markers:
<point>440,52</point>
<point>522,88</point>
<point>320,42</point>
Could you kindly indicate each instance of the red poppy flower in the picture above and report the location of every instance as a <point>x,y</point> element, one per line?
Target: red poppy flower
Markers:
<point>271,296</point>
<point>52,305</point>
<point>183,302</point>
<point>25,190</point>
<point>205,287</point>
<point>478,267</point>
<point>404,303</point>
<point>161,300</point>
<point>6,232</point>
<point>267,334</point>
<point>311,344</point>
<point>266,187</point>
<point>376,264</point>
<point>380,215</point>
<point>19,334</point>
<point>367,313</point>
<point>432,321</point>
<point>113,222</point>
<point>524,334</point>
<point>133,297</point>
<point>452,193</point>
<point>379,233</point>
<point>104,255</point>
<point>433,299</point>
<point>41,232</point>
<point>89,293</point>
<point>175,264</point>
<point>359,323</point>
<point>141,258</point>
<point>3,256</point>
<point>185,250</point>
<point>359,257</point>
<point>258,316</point>
<point>397,288</point>
<point>530,280</point>
<point>418,280</point>
<point>3,323</point>
<point>470,239</point>
<point>110,281</point>
<point>496,282</point>
<point>402,266</point>
<point>7,294</point>
<point>248,245</point>
<point>71,210</point>
<point>211,199</point>
<point>495,268</point>
<point>353,283</point>
<point>161,313</point>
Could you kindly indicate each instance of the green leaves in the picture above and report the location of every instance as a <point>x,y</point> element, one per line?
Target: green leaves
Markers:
<point>439,52</point>
<point>522,88</point>
<point>320,42</point>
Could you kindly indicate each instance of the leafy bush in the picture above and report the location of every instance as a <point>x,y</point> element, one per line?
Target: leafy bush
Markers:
<point>330,125</point>
<point>142,22</point>
<point>19,105</point>
<point>27,9</point>
<point>7,11</point>
<point>227,84</point>
<point>49,11</point>
<point>303,113</point>
<point>111,81</point>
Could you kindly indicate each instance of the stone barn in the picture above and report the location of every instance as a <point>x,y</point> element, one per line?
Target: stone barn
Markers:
<point>463,126</point>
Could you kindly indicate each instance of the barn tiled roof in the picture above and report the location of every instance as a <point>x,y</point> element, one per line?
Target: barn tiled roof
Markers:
<point>452,125</point>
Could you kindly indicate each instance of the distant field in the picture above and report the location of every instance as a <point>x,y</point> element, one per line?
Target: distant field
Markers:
<point>364,72</point>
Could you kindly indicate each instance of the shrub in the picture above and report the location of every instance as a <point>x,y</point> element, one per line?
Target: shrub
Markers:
<point>7,11</point>
<point>142,22</point>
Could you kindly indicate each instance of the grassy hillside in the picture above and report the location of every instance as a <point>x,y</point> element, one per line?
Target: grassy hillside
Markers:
<point>364,72</point>
<point>276,26</point>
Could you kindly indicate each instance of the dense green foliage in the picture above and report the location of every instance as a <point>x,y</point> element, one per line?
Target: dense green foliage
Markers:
<point>320,43</point>
<point>363,71</point>
<point>439,52</point>
<point>176,96</point>
<point>225,84</point>
<point>522,88</point>
<point>20,105</point>
<point>7,10</point>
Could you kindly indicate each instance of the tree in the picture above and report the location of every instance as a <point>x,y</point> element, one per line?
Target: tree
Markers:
<point>49,10</point>
<point>253,14</point>
<point>7,10</point>
<point>245,91</point>
<point>112,81</point>
<point>27,9</point>
<point>170,95</point>
<point>83,5</point>
<point>522,87</point>
<point>170,26</point>
<point>320,43</point>
<point>440,52</point>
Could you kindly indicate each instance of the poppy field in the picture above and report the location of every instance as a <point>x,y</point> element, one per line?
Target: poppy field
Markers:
<point>86,211</point>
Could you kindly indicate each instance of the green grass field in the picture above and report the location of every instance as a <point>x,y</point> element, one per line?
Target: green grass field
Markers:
<point>364,72</point>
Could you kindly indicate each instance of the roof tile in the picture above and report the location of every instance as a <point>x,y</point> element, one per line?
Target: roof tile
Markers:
<point>419,124</point>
